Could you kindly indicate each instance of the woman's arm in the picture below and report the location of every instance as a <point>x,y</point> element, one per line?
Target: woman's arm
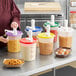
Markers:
<point>15,14</point>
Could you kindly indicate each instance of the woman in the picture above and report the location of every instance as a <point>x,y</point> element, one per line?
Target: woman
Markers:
<point>9,18</point>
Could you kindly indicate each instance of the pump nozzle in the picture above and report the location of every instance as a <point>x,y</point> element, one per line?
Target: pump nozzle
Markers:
<point>15,30</point>
<point>8,31</point>
<point>33,24</point>
<point>48,30</point>
<point>52,20</point>
<point>65,23</point>
<point>30,35</point>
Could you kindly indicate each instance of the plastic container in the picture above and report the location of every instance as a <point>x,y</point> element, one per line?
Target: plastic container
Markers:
<point>45,43</point>
<point>13,43</point>
<point>35,32</point>
<point>73,19</point>
<point>28,49</point>
<point>53,29</point>
<point>65,37</point>
<point>73,3</point>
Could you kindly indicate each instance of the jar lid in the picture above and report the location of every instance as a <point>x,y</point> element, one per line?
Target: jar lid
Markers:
<point>56,24</point>
<point>37,29</point>
<point>19,33</point>
<point>44,35</point>
<point>27,41</point>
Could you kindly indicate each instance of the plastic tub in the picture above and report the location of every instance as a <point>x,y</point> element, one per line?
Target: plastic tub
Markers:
<point>73,19</point>
<point>28,49</point>
<point>65,37</point>
<point>53,29</point>
<point>35,32</point>
<point>45,43</point>
<point>13,41</point>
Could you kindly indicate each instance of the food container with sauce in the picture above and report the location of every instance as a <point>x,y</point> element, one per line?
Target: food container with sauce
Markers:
<point>46,42</point>
<point>73,19</point>
<point>54,27</point>
<point>65,36</point>
<point>28,48</point>
<point>13,41</point>
<point>35,29</point>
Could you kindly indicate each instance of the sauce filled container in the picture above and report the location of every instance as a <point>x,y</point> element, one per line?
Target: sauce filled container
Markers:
<point>54,27</point>
<point>13,41</point>
<point>35,29</point>
<point>28,49</point>
<point>46,42</point>
<point>65,36</point>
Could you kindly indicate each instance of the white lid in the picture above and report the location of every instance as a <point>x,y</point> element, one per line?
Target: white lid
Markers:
<point>65,28</point>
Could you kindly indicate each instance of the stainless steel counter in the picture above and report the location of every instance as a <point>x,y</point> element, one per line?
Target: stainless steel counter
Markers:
<point>40,64</point>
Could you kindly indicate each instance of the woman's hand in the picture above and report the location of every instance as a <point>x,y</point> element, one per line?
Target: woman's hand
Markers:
<point>4,40</point>
<point>14,25</point>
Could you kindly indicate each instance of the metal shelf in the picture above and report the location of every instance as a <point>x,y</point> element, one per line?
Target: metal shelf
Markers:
<point>21,8</point>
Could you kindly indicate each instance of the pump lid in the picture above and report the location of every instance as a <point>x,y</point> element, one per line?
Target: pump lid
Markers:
<point>27,41</point>
<point>37,29</point>
<point>47,23</point>
<point>63,29</point>
<point>19,33</point>
<point>44,35</point>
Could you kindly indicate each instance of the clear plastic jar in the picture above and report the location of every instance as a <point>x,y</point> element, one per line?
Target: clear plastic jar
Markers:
<point>35,32</point>
<point>13,41</point>
<point>45,43</point>
<point>73,19</point>
<point>53,29</point>
<point>65,37</point>
<point>28,49</point>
